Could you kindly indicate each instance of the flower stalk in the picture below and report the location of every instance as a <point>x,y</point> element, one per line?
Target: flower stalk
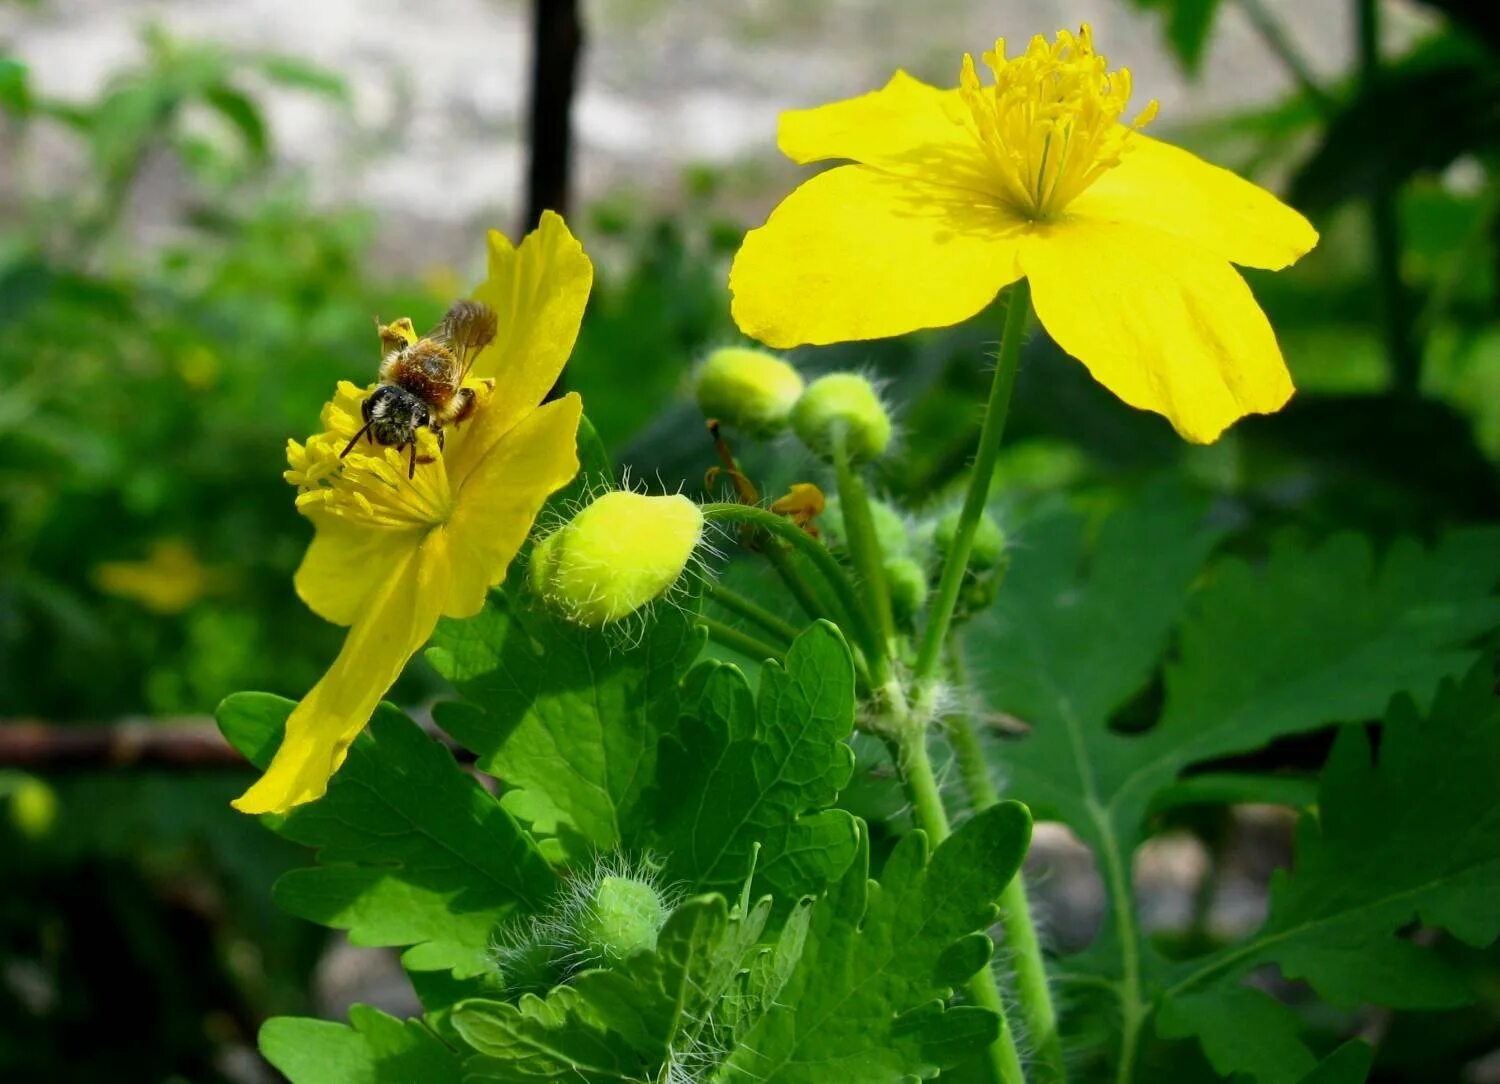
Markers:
<point>956,563</point>
<point>864,543</point>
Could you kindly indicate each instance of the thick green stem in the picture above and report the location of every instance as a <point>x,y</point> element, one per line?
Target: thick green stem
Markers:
<point>858,624</point>
<point>940,614</point>
<point>910,749</point>
<point>1032,989</point>
<point>795,584</point>
<point>737,603</point>
<point>864,543</point>
<point>743,642</point>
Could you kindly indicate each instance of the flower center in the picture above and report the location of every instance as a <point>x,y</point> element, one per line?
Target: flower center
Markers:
<point>369,486</point>
<point>1050,124</point>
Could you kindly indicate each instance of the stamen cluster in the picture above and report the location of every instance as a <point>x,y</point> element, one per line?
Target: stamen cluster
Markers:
<point>1050,124</point>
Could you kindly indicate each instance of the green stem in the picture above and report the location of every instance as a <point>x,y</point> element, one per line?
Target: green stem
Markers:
<point>864,543</point>
<point>858,625</point>
<point>940,614</point>
<point>1032,989</point>
<point>737,603</point>
<point>910,751</point>
<point>743,642</point>
<point>795,584</point>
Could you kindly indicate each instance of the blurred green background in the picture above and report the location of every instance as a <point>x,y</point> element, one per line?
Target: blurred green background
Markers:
<point>201,214</point>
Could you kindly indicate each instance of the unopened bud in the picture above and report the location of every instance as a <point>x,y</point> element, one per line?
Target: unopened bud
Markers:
<point>842,406</point>
<point>908,586</point>
<point>748,389</point>
<point>989,540</point>
<point>890,527</point>
<point>620,553</point>
<point>621,917</point>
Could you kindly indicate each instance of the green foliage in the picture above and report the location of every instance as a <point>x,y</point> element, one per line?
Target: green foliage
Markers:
<point>1311,637</point>
<point>569,717</point>
<point>865,1001</point>
<point>1366,868</point>
<point>743,773</point>
<point>377,1049</point>
<point>379,874</point>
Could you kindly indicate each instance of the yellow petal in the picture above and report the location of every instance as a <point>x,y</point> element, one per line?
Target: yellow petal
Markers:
<point>1161,323</point>
<point>538,291</point>
<point>1169,189</point>
<point>400,616</point>
<point>905,127</point>
<point>855,253</point>
<point>501,496</point>
<point>345,563</point>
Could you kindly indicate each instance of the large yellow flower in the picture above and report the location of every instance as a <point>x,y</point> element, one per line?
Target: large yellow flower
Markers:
<point>1127,242</point>
<point>391,554</point>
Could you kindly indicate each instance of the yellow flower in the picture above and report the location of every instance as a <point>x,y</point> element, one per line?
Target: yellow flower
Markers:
<point>167,582</point>
<point>1127,242</point>
<point>391,555</point>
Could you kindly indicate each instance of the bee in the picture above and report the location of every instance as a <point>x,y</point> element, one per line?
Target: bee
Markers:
<point>422,380</point>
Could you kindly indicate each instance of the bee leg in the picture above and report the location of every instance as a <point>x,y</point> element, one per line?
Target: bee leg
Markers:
<point>355,440</point>
<point>468,401</point>
<point>439,433</point>
<point>411,471</point>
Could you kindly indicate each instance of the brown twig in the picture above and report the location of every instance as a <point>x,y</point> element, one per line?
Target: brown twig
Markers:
<point>188,742</point>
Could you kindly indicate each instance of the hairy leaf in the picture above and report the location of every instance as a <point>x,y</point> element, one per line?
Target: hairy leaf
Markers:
<point>376,1049</point>
<point>674,1007</point>
<point>569,717</point>
<point>865,1001</point>
<point>743,770</point>
<point>1409,835</point>
<point>412,851</point>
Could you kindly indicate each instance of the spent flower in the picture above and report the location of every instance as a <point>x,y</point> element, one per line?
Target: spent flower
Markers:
<point>1127,242</point>
<point>396,549</point>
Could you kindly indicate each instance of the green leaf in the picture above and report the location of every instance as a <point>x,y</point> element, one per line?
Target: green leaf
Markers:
<point>743,770</point>
<point>678,1005</point>
<point>570,718</point>
<point>412,851</point>
<point>865,1001</point>
<point>377,1049</point>
<point>1310,638</point>
<point>1188,24</point>
<point>241,112</point>
<point>1410,835</point>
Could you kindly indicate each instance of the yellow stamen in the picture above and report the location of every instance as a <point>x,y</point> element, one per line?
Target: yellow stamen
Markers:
<point>370,484</point>
<point>1050,124</point>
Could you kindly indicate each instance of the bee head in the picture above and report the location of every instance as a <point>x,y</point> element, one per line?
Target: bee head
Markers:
<point>394,415</point>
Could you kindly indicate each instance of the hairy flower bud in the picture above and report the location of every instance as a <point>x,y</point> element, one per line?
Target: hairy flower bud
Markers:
<point>842,405</point>
<point>890,527</point>
<point>908,587</point>
<point>989,540</point>
<point>621,917</point>
<point>617,555</point>
<point>747,388</point>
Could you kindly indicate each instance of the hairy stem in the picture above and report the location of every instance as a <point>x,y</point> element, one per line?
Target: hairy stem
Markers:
<point>1003,1062</point>
<point>1032,989</point>
<point>940,614</point>
<point>864,544</point>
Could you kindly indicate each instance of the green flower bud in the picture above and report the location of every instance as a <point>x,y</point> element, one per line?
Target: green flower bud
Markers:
<point>989,540</point>
<point>33,807</point>
<point>617,555</point>
<point>908,585</point>
<point>621,917</point>
<point>842,403</point>
<point>890,527</point>
<point>748,389</point>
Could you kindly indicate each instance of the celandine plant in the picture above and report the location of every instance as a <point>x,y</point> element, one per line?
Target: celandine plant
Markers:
<point>651,875</point>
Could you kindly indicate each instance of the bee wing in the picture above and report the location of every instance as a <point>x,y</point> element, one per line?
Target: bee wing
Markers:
<point>466,329</point>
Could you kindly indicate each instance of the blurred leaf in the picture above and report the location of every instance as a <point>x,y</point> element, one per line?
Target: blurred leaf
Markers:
<point>376,1049</point>
<point>1409,835</point>
<point>1188,25</point>
<point>1385,134</point>
<point>865,1001</point>
<point>743,770</point>
<point>568,716</point>
<point>411,850</point>
<point>241,112</point>
<point>291,71</point>
<point>15,86</point>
